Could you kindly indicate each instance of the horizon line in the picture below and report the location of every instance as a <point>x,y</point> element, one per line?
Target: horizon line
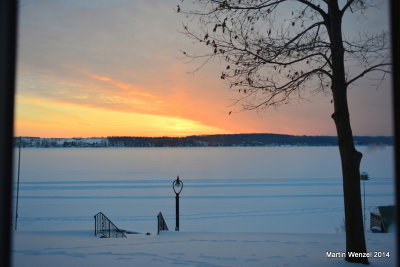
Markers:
<point>185,136</point>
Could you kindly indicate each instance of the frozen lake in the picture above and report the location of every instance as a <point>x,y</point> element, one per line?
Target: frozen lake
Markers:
<point>246,189</point>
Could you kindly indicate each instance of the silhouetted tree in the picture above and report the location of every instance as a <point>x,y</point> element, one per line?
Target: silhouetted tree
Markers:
<point>276,49</point>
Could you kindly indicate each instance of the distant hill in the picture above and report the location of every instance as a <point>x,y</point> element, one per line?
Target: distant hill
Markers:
<point>218,140</point>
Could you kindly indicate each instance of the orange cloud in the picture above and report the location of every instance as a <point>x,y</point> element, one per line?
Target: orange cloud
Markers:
<point>133,89</point>
<point>130,89</point>
<point>101,78</point>
<point>37,117</point>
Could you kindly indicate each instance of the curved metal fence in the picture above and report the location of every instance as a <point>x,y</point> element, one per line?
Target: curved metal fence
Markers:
<point>105,227</point>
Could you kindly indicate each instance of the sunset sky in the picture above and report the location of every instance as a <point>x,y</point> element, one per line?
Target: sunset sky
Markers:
<point>115,68</point>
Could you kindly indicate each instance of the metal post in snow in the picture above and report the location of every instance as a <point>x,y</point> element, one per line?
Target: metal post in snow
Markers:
<point>177,212</point>
<point>19,167</point>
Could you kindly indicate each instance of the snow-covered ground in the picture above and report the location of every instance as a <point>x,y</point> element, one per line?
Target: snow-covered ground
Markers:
<point>81,248</point>
<point>239,206</point>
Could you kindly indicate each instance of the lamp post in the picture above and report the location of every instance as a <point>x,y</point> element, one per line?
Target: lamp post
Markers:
<point>177,185</point>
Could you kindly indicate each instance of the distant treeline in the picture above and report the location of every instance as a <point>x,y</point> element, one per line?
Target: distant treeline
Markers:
<point>219,140</point>
<point>227,140</point>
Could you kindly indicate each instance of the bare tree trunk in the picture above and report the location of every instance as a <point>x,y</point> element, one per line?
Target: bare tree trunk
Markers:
<point>350,157</point>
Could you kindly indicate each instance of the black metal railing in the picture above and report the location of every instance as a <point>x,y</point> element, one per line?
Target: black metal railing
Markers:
<point>161,224</point>
<point>105,227</point>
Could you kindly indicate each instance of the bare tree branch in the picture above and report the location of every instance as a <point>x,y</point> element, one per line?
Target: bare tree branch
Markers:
<point>314,7</point>
<point>346,6</point>
<point>370,69</point>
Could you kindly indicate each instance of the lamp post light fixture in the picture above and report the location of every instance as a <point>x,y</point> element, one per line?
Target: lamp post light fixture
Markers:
<point>177,185</point>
